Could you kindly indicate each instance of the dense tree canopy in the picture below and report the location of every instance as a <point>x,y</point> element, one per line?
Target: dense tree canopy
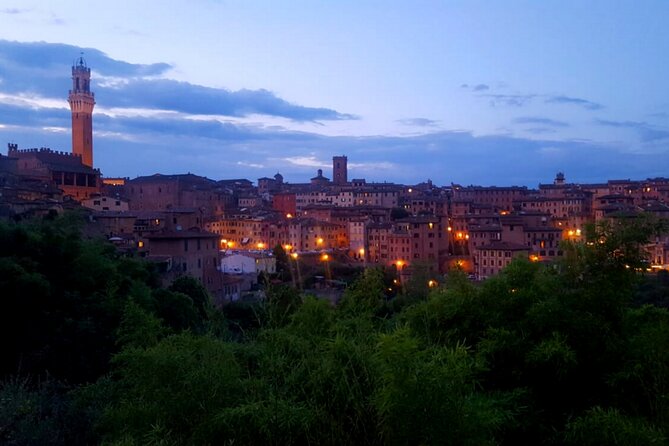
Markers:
<point>561,354</point>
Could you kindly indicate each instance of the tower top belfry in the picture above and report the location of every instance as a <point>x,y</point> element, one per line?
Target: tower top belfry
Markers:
<point>82,101</point>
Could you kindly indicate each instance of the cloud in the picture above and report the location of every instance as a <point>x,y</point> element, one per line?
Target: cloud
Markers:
<point>540,121</point>
<point>306,161</point>
<point>129,146</point>
<point>184,97</point>
<point>510,100</point>
<point>476,88</point>
<point>419,122</point>
<point>647,132</point>
<point>520,100</point>
<point>540,130</point>
<point>183,130</point>
<point>373,167</point>
<point>41,69</point>
<point>253,165</point>
<point>13,11</point>
<point>56,20</point>
<point>584,103</point>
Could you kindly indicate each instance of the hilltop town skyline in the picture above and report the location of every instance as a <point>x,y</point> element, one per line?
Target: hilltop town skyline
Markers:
<point>499,93</point>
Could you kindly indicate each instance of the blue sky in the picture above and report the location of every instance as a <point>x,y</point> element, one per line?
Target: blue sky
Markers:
<point>472,92</point>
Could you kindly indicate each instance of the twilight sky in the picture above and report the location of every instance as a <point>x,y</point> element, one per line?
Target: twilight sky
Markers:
<point>472,92</point>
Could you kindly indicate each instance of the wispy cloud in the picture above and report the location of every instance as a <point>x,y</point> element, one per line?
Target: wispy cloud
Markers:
<point>584,103</point>
<point>647,132</point>
<point>372,167</point>
<point>476,88</point>
<point>521,99</point>
<point>418,122</point>
<point>13,11</point>
<point>534,120</point>
<point>253,165</point>
<point>306,161</point>
<point>660,115</point>
<point>511,100</point>
<point>56,20</point>
<point>540,130</point>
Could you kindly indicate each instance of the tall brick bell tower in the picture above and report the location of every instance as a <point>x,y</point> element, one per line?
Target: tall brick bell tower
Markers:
<point>82,102</point>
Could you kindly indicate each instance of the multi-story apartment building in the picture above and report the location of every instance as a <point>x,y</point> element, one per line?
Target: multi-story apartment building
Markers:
<point>193,253</point>
<point>162,192</point>
<point>502,198</point>
<point>491,258</point>
<point>307,234</point>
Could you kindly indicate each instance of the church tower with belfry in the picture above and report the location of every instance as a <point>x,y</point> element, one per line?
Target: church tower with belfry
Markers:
<point>82,101</point>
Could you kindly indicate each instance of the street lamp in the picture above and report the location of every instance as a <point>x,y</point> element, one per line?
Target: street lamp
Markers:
<point>295,256</point>
<point>326,258</point>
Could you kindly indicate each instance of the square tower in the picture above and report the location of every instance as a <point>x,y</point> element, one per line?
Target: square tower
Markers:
<point>339,169</point>
<point>82,101</point>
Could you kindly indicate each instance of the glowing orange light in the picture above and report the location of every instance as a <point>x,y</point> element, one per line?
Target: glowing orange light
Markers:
<point>287,247</point>
<point>361,251</point>
<point>325,257</point>
<point>319,241</point>
<point>399,263</point>
<point>140,244</point>
<point>260,245</point>
<point>231,244</point>
<point>534,258</point>
<point>294,255</point>
<point>289,215</point>
<point>431,283</point>
<point>449,229</point>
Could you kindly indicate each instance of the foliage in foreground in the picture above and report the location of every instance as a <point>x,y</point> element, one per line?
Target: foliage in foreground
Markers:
<point>558,355</point>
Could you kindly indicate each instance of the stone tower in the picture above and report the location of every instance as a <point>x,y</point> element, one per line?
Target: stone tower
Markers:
<point>339,169</point>
<point>82,102</point>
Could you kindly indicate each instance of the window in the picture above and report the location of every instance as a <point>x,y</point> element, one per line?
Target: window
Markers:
<point>185,244</point>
